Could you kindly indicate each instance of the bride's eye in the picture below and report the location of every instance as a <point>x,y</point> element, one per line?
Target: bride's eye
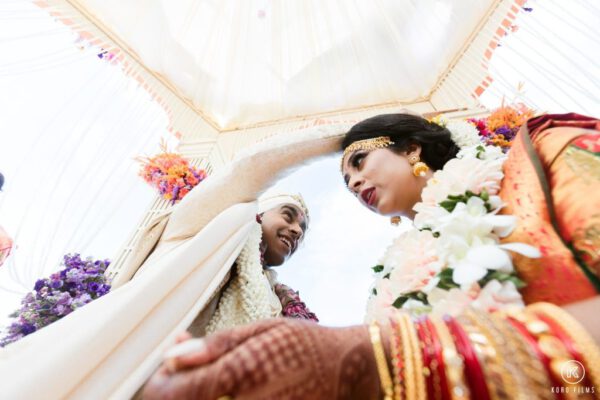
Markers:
<point>357,159</point>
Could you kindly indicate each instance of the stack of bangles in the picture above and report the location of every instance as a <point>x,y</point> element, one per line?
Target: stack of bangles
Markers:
<point>539,352</point>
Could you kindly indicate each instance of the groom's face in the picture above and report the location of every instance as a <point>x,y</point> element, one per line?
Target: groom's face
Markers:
<point>283,230</point>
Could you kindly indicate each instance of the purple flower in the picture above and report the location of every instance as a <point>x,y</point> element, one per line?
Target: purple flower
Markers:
<point>56,283</point>
<point>39,284</point>
<point>75,277</point>
<point>103,290</point>
<point>60,309</point>
<point>27,328</point>
<point>78,283</point>
<point>64,298</point>
<point>81,301</point>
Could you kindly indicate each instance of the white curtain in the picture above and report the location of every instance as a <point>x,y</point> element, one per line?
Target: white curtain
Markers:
<point>550,61</point>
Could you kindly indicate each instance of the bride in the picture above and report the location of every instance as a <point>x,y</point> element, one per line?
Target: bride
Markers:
<point>470,207</point>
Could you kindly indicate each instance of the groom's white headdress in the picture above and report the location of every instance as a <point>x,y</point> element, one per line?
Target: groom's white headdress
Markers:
<point>270,200</point>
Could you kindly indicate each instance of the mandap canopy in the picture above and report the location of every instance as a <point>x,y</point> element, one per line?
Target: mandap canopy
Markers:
<point>220,75</point>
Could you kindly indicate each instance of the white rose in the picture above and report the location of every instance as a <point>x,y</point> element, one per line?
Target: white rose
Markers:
<point>448,302</point>
<point>496,296</point>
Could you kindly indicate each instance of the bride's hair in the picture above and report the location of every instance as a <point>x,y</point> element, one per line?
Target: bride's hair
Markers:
<point>404,130</point>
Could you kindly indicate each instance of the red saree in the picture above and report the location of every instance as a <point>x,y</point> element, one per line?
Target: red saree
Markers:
<point>552,185</point>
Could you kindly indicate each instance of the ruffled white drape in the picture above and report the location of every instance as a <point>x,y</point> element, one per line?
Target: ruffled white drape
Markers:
<point>254,61</point>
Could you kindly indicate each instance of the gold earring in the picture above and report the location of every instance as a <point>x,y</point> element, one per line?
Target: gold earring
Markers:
<point>419,167</point>
<point>396,220</point>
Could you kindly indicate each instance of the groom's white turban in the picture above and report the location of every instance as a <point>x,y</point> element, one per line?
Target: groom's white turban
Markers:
<point>269,201</point>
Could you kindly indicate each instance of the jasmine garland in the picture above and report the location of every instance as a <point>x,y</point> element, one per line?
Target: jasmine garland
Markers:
<point>453,257</point>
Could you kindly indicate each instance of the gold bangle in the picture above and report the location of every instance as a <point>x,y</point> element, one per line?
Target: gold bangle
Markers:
<point>414,378</point>
<point>453,362</point>
<point>550,346</point>
<point>382,366</point>
<point>397,362</point>
<point>419,375</point>
<point>536,377</point>
<point>409,366</point>
<point>488,354</point>
<point>586,346</point>
<point>521,377</point>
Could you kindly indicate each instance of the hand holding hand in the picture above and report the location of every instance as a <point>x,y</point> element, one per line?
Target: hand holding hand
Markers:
<point>272,359</point>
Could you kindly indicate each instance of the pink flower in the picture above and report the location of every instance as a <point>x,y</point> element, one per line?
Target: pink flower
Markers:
<point>496,296</point>
<point>460,175</point>
<point>379,306</point>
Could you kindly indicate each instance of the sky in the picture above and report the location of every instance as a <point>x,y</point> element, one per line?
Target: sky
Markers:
<point>71,125</point>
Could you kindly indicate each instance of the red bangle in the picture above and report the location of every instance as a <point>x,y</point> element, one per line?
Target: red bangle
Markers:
<point>437,352</point>
<point>567,341</point>
<point>520,327</point>
<point>473,371</point>
<point>427,357</point>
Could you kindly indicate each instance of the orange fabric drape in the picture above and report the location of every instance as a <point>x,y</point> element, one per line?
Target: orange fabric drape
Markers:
<point>552,186</point>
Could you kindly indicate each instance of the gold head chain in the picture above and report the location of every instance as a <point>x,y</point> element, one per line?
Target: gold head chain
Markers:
<point>380,142</point>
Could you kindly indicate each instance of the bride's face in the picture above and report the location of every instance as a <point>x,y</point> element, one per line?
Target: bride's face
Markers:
<point>283,230</point>
<point>383,180</point>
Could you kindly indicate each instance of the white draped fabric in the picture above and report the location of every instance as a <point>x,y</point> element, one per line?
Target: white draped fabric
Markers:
<point>115,342</point>
<point>244,62</point>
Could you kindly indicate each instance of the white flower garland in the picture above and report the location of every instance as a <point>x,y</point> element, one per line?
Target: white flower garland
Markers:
<point>464,134</point>
<point>452,257</point>
<point>248,296</point>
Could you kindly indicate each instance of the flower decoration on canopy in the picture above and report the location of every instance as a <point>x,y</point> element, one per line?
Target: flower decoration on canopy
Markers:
<point>171,174</point>
<point>498,129</point>
<point>78,283</point>
<point>502,125</point>
<point>105,55</point>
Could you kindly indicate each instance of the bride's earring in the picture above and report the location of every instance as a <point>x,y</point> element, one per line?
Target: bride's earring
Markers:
<point>396,220</point>
<point>419,167</point>
<point>259,218</point>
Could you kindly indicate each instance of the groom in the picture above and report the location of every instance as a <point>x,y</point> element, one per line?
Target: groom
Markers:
<point>250,290</point>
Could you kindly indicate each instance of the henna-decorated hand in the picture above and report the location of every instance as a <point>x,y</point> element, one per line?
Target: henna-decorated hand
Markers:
<point>273,359</point>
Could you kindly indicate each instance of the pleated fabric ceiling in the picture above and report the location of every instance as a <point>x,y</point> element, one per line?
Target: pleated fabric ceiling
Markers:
<point>242,63</point>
